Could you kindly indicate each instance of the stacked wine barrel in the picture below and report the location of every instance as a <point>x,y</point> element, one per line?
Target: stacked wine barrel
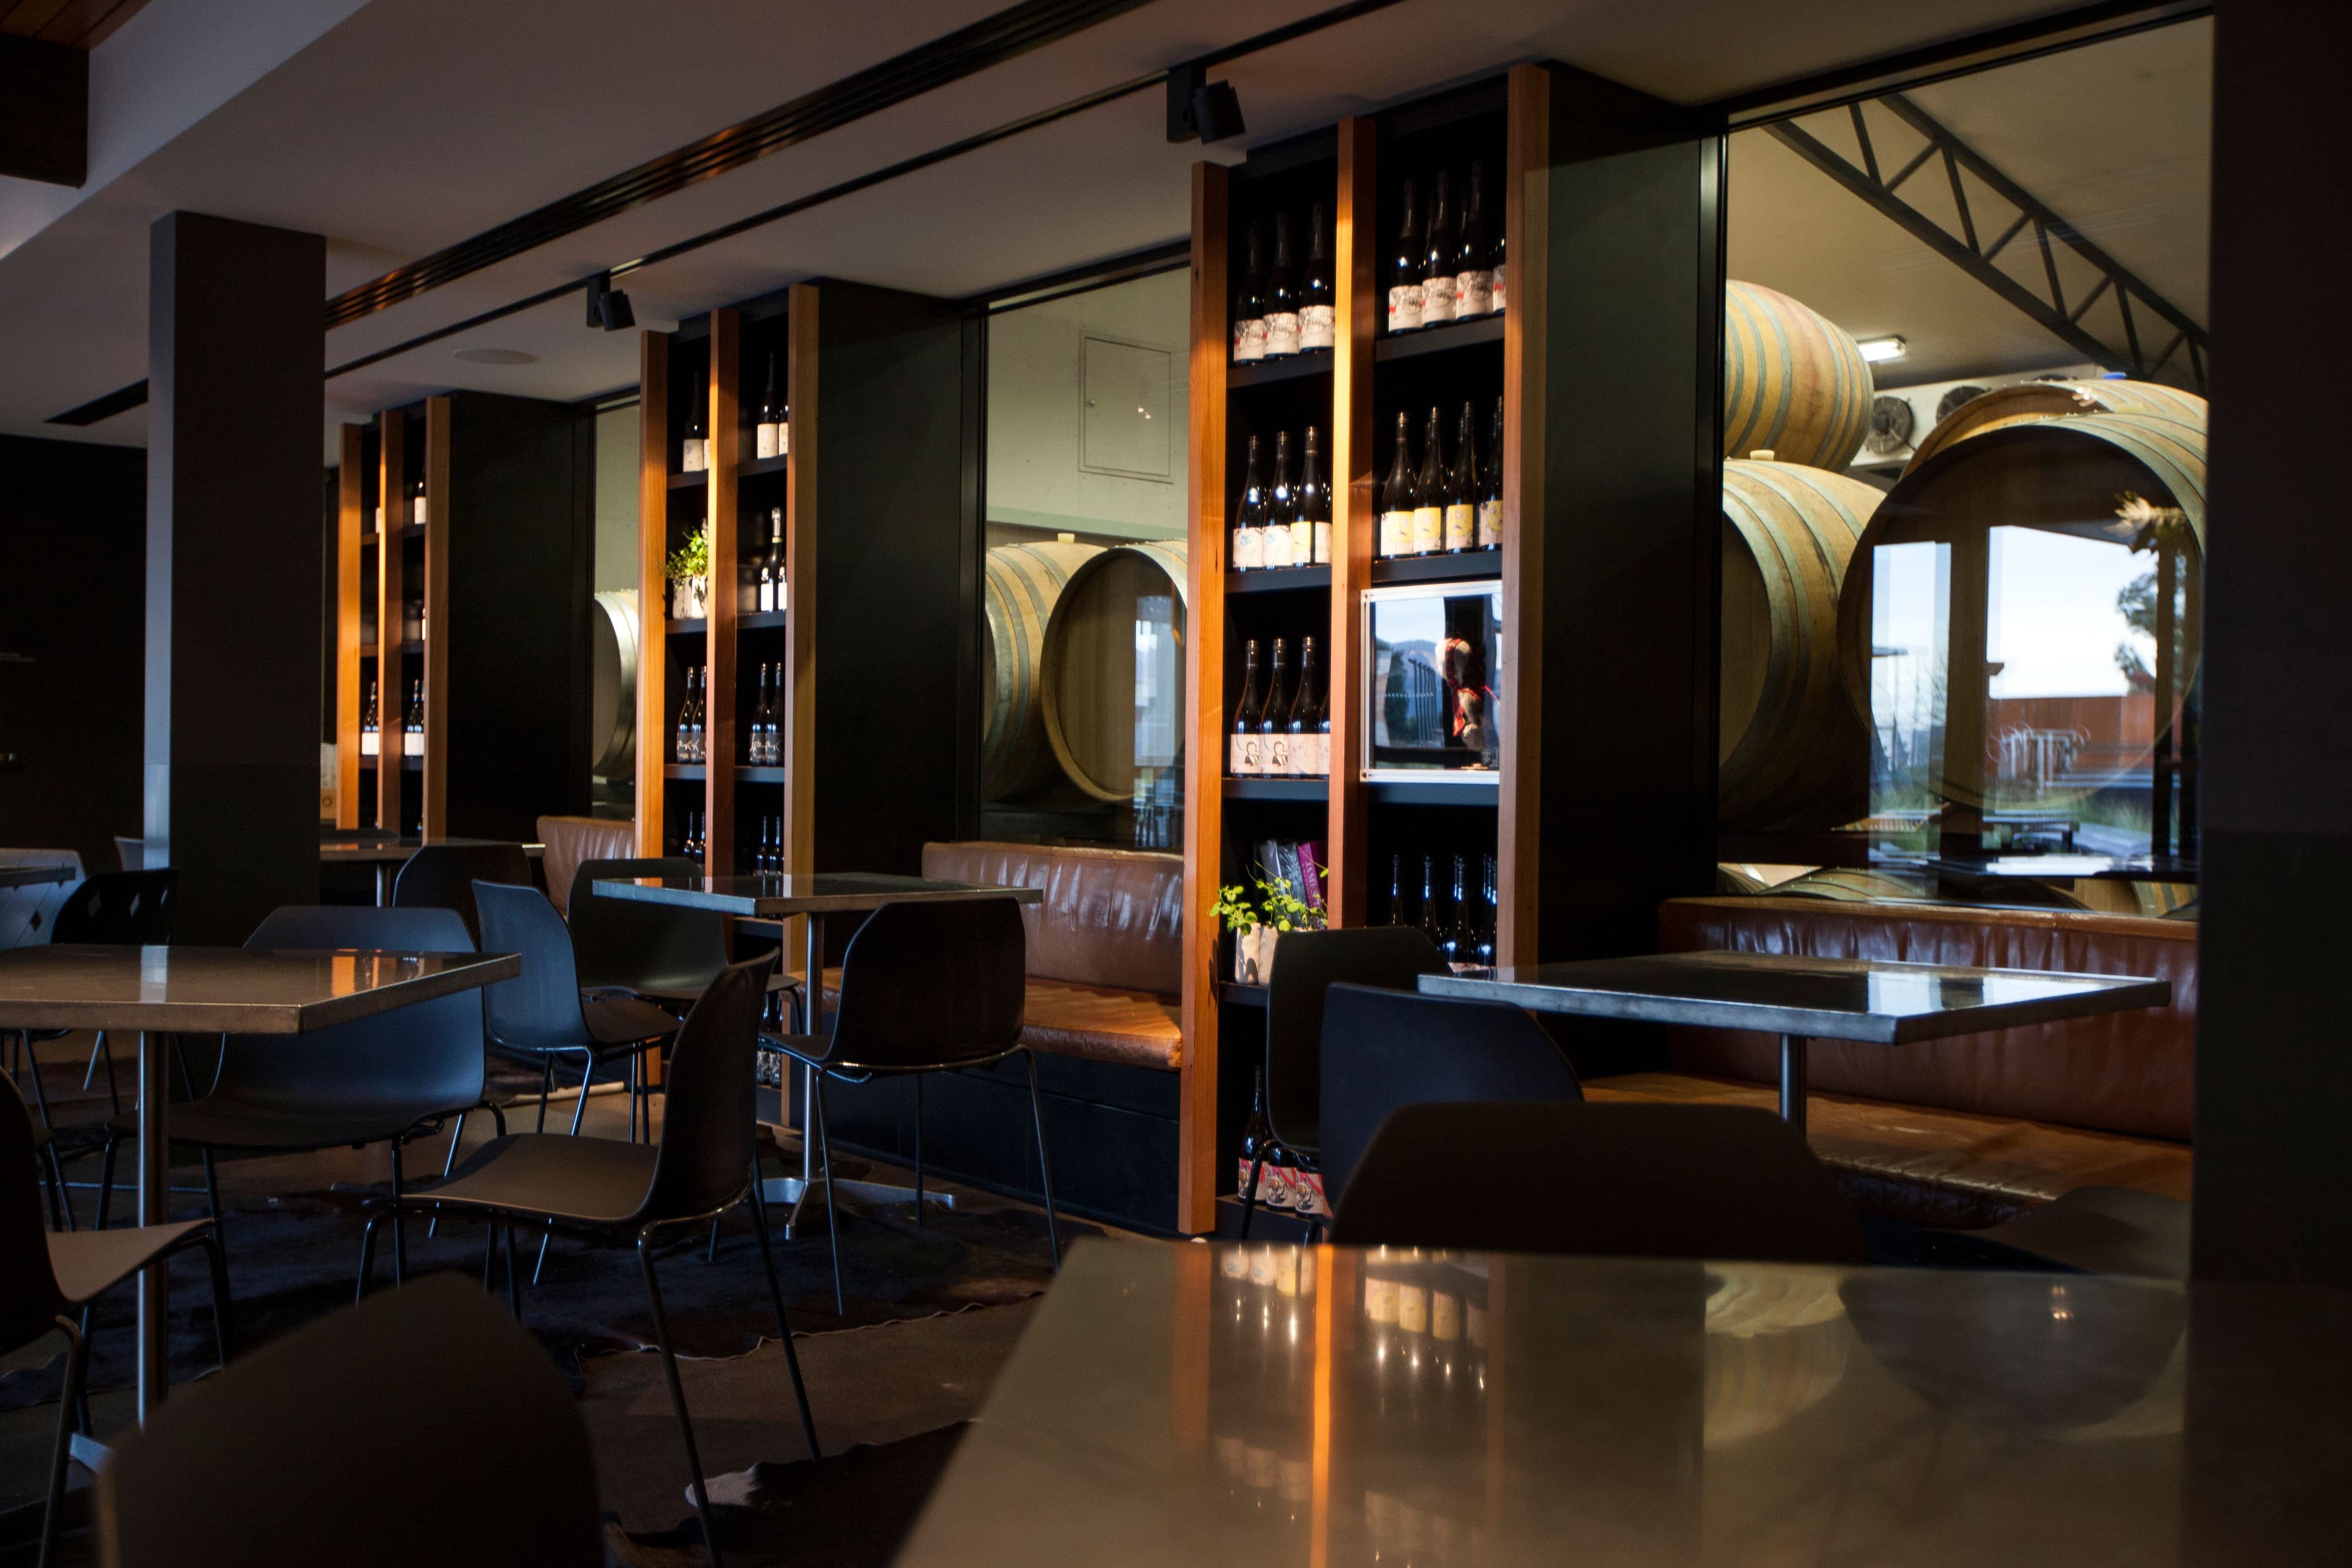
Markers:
<point>1024,582</point>
<point>1792,382</point>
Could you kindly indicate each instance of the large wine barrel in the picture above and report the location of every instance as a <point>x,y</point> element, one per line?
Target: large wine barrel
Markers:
<point>1792,380</point>
<point>1789,738</point>
<point>1089,675</point>
<point>2030,401</point>
<point>612,725</point>
<point>1023,584</point>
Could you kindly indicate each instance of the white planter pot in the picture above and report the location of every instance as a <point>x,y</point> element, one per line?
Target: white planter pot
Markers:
<point>1253,954</point>
<point>689,598</point>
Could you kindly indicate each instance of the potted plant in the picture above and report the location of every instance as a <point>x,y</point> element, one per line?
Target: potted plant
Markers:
<point>1257,916</point>
<point>689,578</point>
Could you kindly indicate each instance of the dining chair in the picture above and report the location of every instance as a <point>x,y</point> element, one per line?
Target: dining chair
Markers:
<point>1307,964</point>
<point>49,1282</point>
<point>1726,1181</point>
<point>925,988</point>
<point>359,1405</point>
<point>112,909</point>
<point>660,952</point>
<point>1383,1049</point>
<point>603,1190</point>
<point>442,876</point>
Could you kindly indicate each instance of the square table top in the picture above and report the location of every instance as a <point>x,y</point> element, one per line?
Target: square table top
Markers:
<point>1869,1000</point>
<point>1223,1404</point>
<point>37,875</point>
<point>227,990</point>
<point>777,895</point>
<point>365,850</point>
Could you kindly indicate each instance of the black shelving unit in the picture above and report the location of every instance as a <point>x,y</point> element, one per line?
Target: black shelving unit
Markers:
<point>1317,790</point>
<point>1280,579</point>
<point>1473,566</point>
<point>1290,367</point>
<point>1438,339</point>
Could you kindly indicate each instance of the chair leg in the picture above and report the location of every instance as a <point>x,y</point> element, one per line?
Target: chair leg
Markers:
<point>919,1151</point>
<point>710,1253</point>
<point>106,1179</point>
<point>367,1257</point>
<point>586,1074</point>
<point>678,1403</point>
<point>32,1068</point>
<point>776,1295</point>
<point>546,1082</point>
<point>1044,1167</point>
<point>832,1225</point>
<point>62,1214</point>
<point>399,1223</point>
<point>433,1227</point>
<point>514,1280</point>
<point>490,1251</point>
<point>81,1398</point>
<point>216,1263</point>
<point>77,1365</point>
<point>212,1191</point>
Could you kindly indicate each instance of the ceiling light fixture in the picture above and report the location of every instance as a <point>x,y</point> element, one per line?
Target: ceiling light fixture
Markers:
<point>1877,351</point>
<point>607,307</point>
<point>1198,107</point>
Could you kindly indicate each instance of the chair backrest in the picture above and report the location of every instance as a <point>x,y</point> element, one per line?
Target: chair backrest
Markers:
<point>130,854</point>
<point>708,1136</point>
<point>571,839</point>
<point>1624,1181</point>
<point>925,984</point>
<point>428,1055</point>
<point>25,912</point>
<point>442,876</point>
<point>538,1010</point>
<point>1381,1049</point>
<point>1306,964</point>
<point>29,1296</point>
<point>618,942</point>
<point>430,1392</point>
<point>118,909</point>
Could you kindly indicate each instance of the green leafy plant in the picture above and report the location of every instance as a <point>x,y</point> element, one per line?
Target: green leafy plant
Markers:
<point>1265,903</point>
<point>691,559</point>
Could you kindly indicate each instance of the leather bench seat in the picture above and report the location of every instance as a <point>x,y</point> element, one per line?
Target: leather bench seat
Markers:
<point>1132,1029</point>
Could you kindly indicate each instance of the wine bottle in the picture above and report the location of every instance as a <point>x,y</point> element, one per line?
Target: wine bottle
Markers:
<point>1490,485</point>
<point>1258,1136</point>
<point>1473,272</point>
<point>1307,718</point>
<point>1429,493</point>
<point>1247,712</point>
<point>1438,264</point>
<point>1490,914</point>
<point>772,731</point>
<point>1249,307</point>
<point>694,453</point>
<point>1315,299</point>
<point>1396,500</point>
<point>684,747</point>
<point>755,734</point>
<point>772,566</point>
<point>412,741</point>
<point>416,500</point>
<point>1312,524</point>
<point>701,731</point>
<point>1281,509</point>
<point>1462,492</point>
<point>1281,300</point>
<point>371,737</point>
<point>1461,936</point>
<point>1274,719</point>
<point>1249,517</point>
<point>768,432</point>
<point>1396,890</point>
<point>1405,269</point>
<point>1433,924</point>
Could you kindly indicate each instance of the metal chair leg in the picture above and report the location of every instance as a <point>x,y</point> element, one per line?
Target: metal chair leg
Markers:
<point>832,1225</point>
<point>77,1366</point>
<point>514,1280</point>
<point>1044,1167</point>
<point>106,1179</point>
<point>32,1068</point>
<point>216,1263</point>
<point>62,1214</point>
<point>586,1074</point>
<point>367,1257</point>
<point>212,1190</point>
<point>919,1151</point>
<point>490,1251</point>
<point>776,1295</point>
<point>546,1082</point>
<point>678,1403</point>
<point>399,1223</point>
<point>457,1136</point>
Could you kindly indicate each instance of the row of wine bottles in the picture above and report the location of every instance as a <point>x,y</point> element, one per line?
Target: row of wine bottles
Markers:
<point>1282,524</point>
<point>762,857</point>
<point>763,740</point>
<point>1452,271</point>
<point>1445,509</point>
<point>412,724</point>
<point>771,429</point>
<point>415,508</point>
<point>765,590</point>
<point>1281,729</point>
<point>1460,928</point>
<point>1284,311</point>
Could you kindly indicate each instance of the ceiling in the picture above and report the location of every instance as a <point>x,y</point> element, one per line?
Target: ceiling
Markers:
<point>84,24</point>
<point>397,127</point>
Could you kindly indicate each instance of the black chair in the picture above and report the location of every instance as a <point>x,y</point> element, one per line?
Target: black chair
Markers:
<point>442,876</point>
<point>130,854</point>
<point>1626,1181</point>
<point>607,1191</point>
<point>1306,964</point>
<point>2090,1230</point>
<point>655,951</point>
<point>925,988</point>
<point>113,909</point>
<point>355,1407</point>
<point>47,1282</point>
<point>1383,1049</point>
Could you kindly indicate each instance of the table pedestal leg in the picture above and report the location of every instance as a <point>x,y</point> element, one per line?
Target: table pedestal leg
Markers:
<point>154,1203</point>
<point>1792,1080</point>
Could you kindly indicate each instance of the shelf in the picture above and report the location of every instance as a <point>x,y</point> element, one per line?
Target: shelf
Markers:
<point>1474,566</point>
<point>1438,339</point>
<point>761,468</point>
<point>763,621</point>
<point>1241,995</point>
<point>1279,580</point>
<point>746,774</point>
<point>412,531</point>
<point>1484,790</point>
<point>693,628</point>
<point>368,541</point>
<point>409,764</point>
<point>413,645</point>
<point>692,771</point>
<point>693,481</point>
<point>1290,367</point>
<point>1278,789</point>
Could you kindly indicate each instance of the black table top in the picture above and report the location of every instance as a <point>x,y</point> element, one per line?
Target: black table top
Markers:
<point>1823,998</point>
<point>780,896</point>
<point>228,990</point>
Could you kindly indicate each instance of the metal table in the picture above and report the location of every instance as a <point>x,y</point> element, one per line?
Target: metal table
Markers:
<point>781,897</point>
<point>1214,1405</point>
<point>1799,998</point>
<point>159,991</point>
<point>38,875</point>
<point>384,854</point>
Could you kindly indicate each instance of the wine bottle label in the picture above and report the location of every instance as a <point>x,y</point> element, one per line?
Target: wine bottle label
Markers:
<point>1273,546</point>
<point>1323,753</point>
<point>1428,528</point>
<point>1322,544</point>
<point>1249,550</point>
<point>1500,267</point>
<point>1249,339</point>
<point>690,456</point>
<point>1474,293</point>
<point>1445,1315</point>
<point>419,519</point>
<point>1396,534</point>
<point>1413,1308</point>
<point>1380,1300</point>
<point>412,744</point>
<point>367,743</point>
<point>767,440</point>
<point>1461,526</point>
<point>1275,754</point>
<point>1302,544</point>
<point>1281,334</point>
<point>1436,301</point>
<point>1314,327</point>
<point>1405,307</point>
<point>1490,525</point>
<point>784,439</point>
<point>1243,762</point>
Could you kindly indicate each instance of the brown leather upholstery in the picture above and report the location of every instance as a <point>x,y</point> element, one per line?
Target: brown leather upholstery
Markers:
<point>1133,1028</point>
<point>571,839</point>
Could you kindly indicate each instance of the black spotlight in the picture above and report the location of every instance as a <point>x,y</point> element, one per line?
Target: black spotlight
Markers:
<point>607,307</point>
<point>1199,107</point>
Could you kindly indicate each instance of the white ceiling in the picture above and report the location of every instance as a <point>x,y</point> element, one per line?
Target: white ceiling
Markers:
<point>396,127</point>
